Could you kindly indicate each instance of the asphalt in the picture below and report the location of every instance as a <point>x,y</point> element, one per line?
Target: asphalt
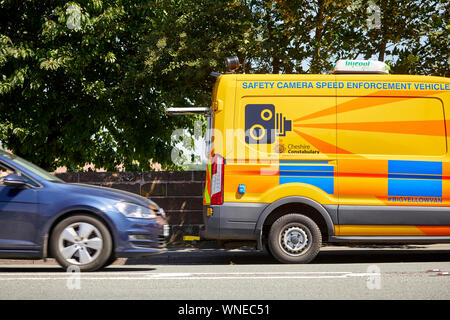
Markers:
<point>192,273</point>
<point>209,254</point>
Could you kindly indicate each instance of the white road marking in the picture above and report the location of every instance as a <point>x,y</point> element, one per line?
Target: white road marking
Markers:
<point>184,276</point>
<point>259,275</point>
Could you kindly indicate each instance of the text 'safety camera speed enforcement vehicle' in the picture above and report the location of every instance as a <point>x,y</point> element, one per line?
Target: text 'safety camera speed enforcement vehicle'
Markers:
<point>355,156</point>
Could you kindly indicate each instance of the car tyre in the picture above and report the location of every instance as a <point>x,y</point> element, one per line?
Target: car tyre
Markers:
<point>110,261</point>
<point>81,241</point>
<point>294,238</point>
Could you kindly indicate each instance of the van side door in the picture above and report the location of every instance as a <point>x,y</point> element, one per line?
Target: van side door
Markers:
<point>392,175</point>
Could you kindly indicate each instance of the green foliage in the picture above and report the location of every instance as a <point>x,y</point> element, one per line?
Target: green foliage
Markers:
<point>69,93</point>
<point>87,81</point>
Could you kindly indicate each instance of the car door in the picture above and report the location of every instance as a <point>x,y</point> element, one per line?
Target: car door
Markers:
<point>19,211</point>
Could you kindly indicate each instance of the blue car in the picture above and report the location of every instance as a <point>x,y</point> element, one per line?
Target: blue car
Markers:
<point>79,225</point>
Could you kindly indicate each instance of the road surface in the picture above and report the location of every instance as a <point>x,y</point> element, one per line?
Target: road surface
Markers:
<point>390,272</point>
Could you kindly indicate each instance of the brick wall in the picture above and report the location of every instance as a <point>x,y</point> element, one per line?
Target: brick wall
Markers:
<point>180,193</point>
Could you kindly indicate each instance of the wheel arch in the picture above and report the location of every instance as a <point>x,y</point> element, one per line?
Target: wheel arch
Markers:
<point>325,218</point>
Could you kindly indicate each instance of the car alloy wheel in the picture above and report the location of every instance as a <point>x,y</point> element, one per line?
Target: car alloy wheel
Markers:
<point>80,243</point>
<point>83,241</point>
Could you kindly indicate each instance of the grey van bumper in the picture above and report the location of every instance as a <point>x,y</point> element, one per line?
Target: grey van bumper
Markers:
<point>233,221</point>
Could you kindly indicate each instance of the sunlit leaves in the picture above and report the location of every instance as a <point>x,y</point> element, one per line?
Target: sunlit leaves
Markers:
<point>87,81</point>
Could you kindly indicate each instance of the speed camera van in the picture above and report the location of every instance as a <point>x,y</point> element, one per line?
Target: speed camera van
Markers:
<point>355,156</point>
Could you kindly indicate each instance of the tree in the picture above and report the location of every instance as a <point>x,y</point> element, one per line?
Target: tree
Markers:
<point>412,36</point>
<point>87,81</point>
<point>68,96</point>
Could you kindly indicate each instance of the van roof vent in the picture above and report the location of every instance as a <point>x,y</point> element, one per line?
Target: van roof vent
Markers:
<point>360,66</point>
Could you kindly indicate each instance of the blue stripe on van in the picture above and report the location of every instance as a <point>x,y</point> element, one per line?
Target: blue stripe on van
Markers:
<point>414,176</point>
<point>326,184</point>
<point>306,173</point>
<point>301,162</point>
<point>417,188</point>
<point>307,168</point>
<point>415,167</point>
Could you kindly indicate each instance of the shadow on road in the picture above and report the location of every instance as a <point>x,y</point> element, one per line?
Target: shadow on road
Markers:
<point>56,269</point>
<point>335,256</point>
<point>381,256</point>
<point>247,256</point>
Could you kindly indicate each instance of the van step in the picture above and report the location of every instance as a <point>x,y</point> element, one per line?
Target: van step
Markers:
<point>191,238</point>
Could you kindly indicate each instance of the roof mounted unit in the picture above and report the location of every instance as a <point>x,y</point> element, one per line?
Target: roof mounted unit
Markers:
<point>360,66</point>
<point>232,64</point>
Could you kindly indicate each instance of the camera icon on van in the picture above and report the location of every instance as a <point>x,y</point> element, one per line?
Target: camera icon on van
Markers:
<point>262,124</point>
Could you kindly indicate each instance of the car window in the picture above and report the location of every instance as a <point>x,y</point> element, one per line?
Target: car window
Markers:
<point>31,167</point>
<point>4,171</point>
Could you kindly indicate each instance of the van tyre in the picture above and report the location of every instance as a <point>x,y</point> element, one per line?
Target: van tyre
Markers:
<point>267,250</point>
<point>81,241</point>
<point>294,238</point>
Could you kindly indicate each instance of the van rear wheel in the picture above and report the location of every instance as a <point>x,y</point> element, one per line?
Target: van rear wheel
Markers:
<point>294,238</point>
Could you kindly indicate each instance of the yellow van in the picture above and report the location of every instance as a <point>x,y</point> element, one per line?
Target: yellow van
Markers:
<point>355,156</point>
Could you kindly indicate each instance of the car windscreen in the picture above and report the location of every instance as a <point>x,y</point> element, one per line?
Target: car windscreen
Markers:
<point>30,167</point>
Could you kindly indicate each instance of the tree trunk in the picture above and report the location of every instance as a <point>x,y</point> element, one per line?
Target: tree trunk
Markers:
<point>275,65</point>
<point>315,64</point>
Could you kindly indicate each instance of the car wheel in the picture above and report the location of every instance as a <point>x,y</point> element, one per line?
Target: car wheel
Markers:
<point>294,238</point>
<point>81,241</point>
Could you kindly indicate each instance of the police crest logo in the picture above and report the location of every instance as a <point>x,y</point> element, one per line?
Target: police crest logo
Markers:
<point>279,148</point>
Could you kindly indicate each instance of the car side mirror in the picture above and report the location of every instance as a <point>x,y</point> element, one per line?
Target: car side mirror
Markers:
<point>14,180</point>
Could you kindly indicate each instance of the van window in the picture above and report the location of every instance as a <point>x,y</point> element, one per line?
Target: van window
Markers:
<point>391,126</point>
